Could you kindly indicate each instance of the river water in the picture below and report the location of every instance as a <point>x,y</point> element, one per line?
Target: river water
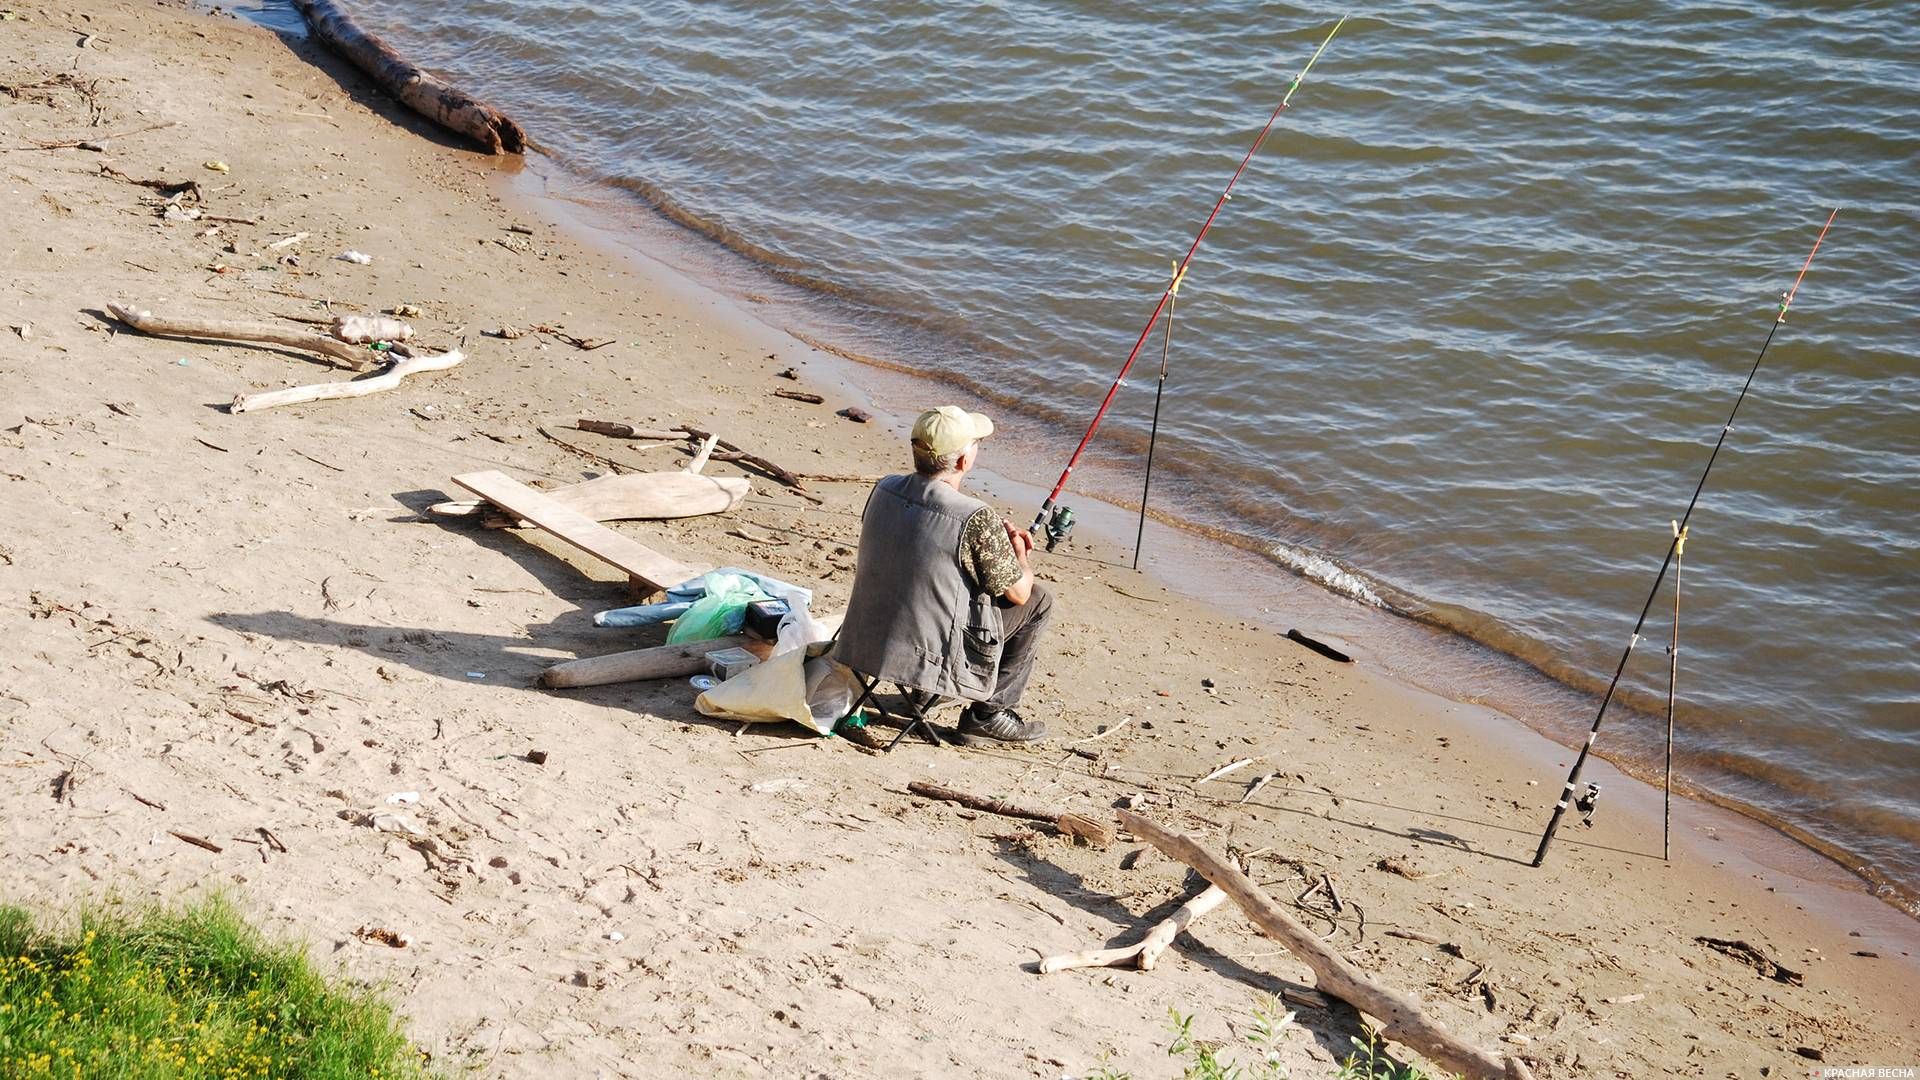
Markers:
<point>1458,347</point>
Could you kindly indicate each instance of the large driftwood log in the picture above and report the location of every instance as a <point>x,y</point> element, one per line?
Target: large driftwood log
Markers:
<point>147,322</point>
<point>414,88</point>
<point>1401,1018</point>
<point>1078,826</point>
<point>1145,953</point>
<point>659,662</point>
<point>386,380</point>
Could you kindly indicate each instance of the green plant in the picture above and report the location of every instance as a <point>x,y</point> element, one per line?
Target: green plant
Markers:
<point>1368,1063</point>
<point>182,992</point>
<point>1205,1061</point>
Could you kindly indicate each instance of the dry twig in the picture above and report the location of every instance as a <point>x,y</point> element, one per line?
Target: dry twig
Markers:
<point>196,841</point>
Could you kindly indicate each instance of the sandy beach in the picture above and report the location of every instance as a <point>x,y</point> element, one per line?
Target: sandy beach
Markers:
<point>220,623</point>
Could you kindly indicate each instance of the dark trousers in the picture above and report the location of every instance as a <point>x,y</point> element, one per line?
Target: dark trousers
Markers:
<point>1021,626</point>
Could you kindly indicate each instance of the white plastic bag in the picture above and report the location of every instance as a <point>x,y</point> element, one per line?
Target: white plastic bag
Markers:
<point>799,629</point>
<point>361,329</point>
<point>798,685</point>
<point>831,690</point>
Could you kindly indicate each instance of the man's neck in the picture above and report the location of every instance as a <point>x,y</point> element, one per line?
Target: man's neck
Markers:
<point>952,478</point>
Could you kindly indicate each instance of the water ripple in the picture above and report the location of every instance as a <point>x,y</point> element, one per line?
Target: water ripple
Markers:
<point>1459,345</point>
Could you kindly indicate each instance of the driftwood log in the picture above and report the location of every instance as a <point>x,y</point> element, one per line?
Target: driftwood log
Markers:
<point>616,430</point>
<point>386,380</point>
<point>341,353</point>
<point>1402,1020</point>
<point>635,665</point>
<point>1145,953</point>
<point>1078,826</point>
<point>423,93</point>
<point>659,662</point>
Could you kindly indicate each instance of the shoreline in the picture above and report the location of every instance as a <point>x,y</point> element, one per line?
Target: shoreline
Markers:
<point>593,210</point>
<point>188,565</point>
<point>1737,744</point>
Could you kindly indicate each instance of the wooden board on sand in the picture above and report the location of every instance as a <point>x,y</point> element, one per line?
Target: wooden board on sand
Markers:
<point>640,563</point>
<point>626,497</point>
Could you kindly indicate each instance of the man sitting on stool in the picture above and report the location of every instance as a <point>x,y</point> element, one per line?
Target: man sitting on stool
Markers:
<point>944,600</point>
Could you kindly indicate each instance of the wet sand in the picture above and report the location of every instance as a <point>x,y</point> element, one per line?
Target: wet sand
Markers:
<point>245,620</point>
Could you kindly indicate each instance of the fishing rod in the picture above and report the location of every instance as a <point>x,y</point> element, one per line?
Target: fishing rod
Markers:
<point>1159,391</point>
<point>1674,547</point>
<point>1058,522</point>
<point>1673,688</point>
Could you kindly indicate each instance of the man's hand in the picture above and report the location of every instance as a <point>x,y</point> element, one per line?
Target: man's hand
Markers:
<point>1022,543</point>
<point>1022,540</point>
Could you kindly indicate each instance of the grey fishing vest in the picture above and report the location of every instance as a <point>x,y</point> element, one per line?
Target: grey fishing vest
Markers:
<point>914,618</point>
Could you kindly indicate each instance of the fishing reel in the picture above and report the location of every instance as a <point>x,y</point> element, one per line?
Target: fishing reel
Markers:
<point>1059,526</point>
<point>1587,803</point>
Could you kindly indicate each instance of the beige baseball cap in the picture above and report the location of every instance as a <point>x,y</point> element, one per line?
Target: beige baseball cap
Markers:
<point>948,429</point>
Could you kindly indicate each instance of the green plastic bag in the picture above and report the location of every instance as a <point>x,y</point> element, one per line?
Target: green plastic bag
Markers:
<point>719,613</point>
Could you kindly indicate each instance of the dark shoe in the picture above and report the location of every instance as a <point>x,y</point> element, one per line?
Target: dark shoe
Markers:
<point>998,726</point>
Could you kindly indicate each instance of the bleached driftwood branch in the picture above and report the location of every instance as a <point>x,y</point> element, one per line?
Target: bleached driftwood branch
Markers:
<point>228,330</point>
<point>386,380</point>
<point>1145,953</point>
<point>414,88</point>
<point>701,455</point>
<point>1401,1018</point>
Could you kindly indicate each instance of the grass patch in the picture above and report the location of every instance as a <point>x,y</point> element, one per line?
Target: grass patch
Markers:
<point>182,992</point>
<point>1368,1063</point>
<point>1268,1026</point>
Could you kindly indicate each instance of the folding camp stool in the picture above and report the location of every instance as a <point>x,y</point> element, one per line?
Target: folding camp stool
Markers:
<point>917,704</point>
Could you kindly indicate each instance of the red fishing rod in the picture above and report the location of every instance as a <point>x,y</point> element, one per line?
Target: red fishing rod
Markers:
<point>1058,522</point>
<point>1674,548</point>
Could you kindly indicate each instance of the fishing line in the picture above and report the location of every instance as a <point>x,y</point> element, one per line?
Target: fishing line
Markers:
<point>1056,522</point>
<point>1673,549</point>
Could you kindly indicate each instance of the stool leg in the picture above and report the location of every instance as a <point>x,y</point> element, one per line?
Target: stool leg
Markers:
<point>866,694</point>
<point>917,719</point>
<point>903,734</point>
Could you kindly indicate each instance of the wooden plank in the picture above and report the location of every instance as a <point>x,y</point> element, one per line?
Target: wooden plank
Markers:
<point>654,496</point>
<point>639,562</point>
